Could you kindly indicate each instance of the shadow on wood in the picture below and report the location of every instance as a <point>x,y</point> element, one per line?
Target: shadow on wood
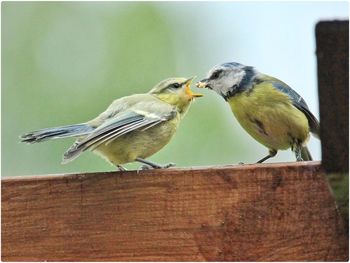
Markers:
<point>267,212</point>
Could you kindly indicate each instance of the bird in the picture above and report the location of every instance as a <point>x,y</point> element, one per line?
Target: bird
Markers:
<point>131,129</point>
<point>267,108</point>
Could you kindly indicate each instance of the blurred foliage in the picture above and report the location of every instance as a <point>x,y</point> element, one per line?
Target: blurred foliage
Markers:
<point>65,62</point>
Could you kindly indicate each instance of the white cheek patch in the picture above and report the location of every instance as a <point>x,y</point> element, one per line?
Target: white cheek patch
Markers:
<point>236,77</point>
<point>225,83</point>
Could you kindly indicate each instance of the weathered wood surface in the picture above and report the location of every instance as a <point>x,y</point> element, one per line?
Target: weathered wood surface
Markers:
<point>332,39</point>
<point>267,212</point>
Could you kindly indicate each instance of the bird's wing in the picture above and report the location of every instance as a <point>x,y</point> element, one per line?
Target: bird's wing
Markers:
<point>299,103</point>
<point>118,106</point>
<point>140,117</point>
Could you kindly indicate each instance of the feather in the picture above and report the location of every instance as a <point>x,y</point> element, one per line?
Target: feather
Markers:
<point>299,103</point>
<point>115,127</point>
<point>56,133</point>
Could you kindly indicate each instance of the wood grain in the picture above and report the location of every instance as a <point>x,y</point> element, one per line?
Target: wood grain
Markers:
<point>332,40</point>
<point>267,212</point>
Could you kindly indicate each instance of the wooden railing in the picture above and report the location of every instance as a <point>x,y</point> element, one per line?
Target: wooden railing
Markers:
<point>282,212</point>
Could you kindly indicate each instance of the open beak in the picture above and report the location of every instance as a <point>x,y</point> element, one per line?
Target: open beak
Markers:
<point>188,90</point>
<point>202,84</point>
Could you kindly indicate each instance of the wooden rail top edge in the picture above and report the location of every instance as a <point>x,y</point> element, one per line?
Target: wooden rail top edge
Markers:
<point>313,165</point>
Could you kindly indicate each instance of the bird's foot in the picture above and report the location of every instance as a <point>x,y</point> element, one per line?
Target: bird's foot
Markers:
<point>299,159</point>
<point>149,167</point>
<point>168,165</point>
<point>152,165</point>
<point>121,168</point>
<point>241,163</point>
<point>144,167</point>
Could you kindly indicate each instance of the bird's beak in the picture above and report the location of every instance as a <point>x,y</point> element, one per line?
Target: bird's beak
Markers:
<point>188,90</point>
<point>202,84</point>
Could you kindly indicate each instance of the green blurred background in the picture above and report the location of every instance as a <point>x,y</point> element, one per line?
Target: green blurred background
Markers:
<point>65,62</point>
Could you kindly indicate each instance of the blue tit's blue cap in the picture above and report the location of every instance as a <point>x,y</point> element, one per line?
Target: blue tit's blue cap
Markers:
<point>232,65</point>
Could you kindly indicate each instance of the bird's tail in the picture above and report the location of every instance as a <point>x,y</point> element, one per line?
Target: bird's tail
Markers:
<point>56,133</point>
<point>305,154</point>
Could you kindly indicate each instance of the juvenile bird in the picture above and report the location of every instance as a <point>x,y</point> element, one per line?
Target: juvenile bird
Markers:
<point>131,129</point>
<point>267,108</point>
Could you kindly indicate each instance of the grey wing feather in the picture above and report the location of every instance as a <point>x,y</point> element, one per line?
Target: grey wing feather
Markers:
<point>299,103</point>
<point>74,130</point>
<point>114,128</point>
<point>117,107</point>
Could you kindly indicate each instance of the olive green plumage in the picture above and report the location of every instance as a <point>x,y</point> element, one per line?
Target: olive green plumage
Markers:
<point>267,108</point>
<point>131,129</point>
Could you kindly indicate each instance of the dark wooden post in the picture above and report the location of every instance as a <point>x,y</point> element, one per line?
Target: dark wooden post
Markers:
<point>332,39</point>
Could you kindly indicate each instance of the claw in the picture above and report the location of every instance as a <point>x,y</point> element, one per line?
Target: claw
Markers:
<point>143,168</point>
<point>153,165</point>
<point>121,168</point>
<point>168,165</point>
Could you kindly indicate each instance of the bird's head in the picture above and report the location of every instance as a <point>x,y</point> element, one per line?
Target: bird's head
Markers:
<point>175,91</point>
<point>228,79</point>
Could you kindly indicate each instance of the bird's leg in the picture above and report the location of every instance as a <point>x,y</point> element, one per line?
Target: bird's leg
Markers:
<point>297,152</point>
<point>272,153</point>
<point>144,167</point>
<point>153,165</point>
<point>121,168</point>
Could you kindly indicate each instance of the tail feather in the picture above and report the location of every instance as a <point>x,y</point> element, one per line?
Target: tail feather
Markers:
<point>56,133</point>
<point>305,154</point>
<point>71,154</point>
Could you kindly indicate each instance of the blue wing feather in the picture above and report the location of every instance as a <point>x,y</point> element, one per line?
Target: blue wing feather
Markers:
<point>299,103</point>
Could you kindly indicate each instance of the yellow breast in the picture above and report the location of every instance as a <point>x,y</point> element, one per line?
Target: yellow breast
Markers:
<point>270,117</point>
<point>139,143</point>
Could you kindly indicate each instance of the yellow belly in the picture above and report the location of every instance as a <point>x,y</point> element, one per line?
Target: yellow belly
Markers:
<point>270,118</point>
<point>138,144</point>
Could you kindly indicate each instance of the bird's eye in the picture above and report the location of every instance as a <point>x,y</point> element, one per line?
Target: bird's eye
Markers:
<point>176,85</point>
<point>215,74</point>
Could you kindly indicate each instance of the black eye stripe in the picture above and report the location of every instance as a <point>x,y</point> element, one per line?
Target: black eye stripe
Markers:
<point>216,74</point>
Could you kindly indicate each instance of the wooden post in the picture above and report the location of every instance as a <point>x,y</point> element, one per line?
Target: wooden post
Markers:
<point>267,212</point>
<point>332,38</point>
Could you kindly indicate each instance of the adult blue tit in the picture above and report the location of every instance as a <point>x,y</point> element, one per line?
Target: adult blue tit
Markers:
<point>267,108</point>
<point>131,129</point>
